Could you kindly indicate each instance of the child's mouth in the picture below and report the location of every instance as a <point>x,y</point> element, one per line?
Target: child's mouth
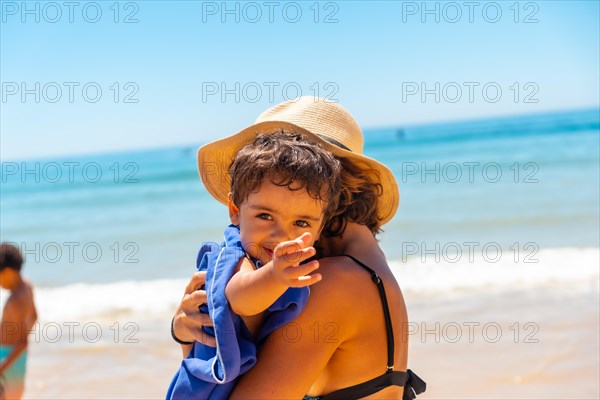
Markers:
<point>268,252</point>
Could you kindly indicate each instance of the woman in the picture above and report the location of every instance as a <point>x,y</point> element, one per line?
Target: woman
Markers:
<point>350,340</point>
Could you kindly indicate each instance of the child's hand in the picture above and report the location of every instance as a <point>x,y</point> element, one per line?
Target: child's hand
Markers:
<point>287,257</point>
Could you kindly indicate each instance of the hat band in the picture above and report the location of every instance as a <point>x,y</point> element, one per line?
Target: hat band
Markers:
<point>333,142</point>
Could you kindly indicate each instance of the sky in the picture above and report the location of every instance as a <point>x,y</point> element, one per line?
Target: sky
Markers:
<point>93,77</point>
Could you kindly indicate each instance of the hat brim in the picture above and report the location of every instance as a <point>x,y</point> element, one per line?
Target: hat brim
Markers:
<point>215,158</point>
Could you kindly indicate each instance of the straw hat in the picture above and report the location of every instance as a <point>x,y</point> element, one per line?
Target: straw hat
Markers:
<point>320,121</point>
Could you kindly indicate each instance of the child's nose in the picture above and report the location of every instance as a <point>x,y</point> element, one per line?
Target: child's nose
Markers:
<point>282,234</point>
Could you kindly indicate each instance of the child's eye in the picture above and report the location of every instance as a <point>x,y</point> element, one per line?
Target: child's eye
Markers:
<point>265,216</point>
<point>302,224</point>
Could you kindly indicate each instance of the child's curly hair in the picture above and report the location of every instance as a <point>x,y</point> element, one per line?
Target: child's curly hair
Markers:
<point>287,159</point>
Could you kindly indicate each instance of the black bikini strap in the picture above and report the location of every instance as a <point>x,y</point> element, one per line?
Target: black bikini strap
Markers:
<point>413,385</point>
<point>386,312</point>
<point>396,378</point>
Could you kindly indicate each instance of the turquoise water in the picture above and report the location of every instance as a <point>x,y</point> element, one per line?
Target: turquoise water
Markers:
<point>142,215</point>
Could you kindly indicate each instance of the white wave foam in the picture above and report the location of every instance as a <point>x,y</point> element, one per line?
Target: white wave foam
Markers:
<point>571,269</point>
<point>81,301</point>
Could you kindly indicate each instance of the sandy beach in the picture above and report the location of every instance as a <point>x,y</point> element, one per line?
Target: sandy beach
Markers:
<point>520,344</point>
<point>523,345</point>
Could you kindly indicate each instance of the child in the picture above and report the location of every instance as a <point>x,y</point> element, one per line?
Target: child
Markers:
<point>18,318</point>
<point>282,192</point>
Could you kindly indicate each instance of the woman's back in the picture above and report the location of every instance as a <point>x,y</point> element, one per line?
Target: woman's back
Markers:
<point>360,324</point>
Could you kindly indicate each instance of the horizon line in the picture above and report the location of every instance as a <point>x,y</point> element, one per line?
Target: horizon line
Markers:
<point>365,130</point>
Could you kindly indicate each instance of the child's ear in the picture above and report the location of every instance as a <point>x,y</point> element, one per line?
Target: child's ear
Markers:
<point>234,211</point>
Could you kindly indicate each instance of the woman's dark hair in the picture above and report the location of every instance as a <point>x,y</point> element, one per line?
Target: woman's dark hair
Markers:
<point>359,198</point>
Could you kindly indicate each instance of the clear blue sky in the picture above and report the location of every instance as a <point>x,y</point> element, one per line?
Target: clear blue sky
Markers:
<point>374,57</point>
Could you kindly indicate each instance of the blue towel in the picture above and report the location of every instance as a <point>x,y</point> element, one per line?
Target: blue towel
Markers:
<point>209,372</point>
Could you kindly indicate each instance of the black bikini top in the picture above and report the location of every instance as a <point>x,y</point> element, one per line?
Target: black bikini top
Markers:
<point>413,385</point>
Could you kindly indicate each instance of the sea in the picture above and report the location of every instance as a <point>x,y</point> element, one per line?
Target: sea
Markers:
<point>485,205</point>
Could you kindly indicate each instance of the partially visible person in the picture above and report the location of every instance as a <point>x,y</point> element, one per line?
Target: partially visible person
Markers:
<point>18,317</point>
<point>283,191</point>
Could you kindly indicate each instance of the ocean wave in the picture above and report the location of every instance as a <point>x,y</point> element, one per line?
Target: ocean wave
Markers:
<point>83,301</point>
<point>566,269</point>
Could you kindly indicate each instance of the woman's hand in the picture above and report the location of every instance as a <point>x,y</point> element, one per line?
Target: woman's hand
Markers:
<point>188,320</point>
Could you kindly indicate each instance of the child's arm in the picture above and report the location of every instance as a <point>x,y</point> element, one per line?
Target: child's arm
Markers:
<point>250,292</point>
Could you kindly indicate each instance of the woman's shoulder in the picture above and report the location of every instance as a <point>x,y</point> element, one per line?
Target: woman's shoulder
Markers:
<point>343,269</point>
<point>339,272</point>
<point>345,290</point>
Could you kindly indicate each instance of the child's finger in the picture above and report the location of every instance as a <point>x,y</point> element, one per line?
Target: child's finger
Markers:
<point>285,247</point>
<point>306,280</point>
<point>293,245</point>
<point>299,271</point>
<point>306,238</point>
<point>295,258</point>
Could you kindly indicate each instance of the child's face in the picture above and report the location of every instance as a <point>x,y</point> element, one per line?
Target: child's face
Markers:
<point>275,214</point>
